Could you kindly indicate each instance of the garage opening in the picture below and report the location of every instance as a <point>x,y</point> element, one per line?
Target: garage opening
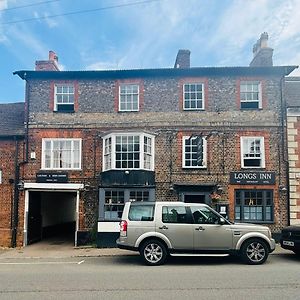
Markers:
<point>51,217</point>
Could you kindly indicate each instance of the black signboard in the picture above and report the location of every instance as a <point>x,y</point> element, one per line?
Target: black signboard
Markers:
<point>252,178</point>
<point>51,177</point>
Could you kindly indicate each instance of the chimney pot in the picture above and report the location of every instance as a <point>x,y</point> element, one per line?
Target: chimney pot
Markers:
<point>48,65</point>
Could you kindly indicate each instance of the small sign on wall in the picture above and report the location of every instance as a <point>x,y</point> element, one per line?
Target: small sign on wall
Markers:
<point>45,177</point>
<point>252,178</point>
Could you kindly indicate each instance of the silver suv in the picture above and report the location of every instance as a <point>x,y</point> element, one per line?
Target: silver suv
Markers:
<point>160,229</point>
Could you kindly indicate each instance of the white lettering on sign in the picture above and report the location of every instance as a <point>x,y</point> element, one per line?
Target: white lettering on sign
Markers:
<point>265,176</point>
<point>249,176</point>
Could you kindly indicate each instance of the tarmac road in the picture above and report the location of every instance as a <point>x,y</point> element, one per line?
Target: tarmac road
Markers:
<point>125,277</point>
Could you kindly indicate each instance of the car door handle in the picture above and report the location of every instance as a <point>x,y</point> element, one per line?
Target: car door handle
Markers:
<point>200,228</point>
<point>163,227</point>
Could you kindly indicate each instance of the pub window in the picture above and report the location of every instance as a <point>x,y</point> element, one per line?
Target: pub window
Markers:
<point>254,206</point>
<point>112,201</point>
<point>252,152</point>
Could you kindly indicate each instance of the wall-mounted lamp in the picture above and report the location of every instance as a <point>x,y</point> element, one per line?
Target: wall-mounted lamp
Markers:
<point>126,172</point>
<point>20,186</point>
<point>282,188</point>
<point>32,155</point>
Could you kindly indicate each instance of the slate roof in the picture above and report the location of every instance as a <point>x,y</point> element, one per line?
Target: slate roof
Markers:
<point>292,91</point>
<point>12,119</point>
<point>163,72</point>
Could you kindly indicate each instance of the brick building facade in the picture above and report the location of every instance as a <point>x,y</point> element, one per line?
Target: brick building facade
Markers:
<point>11,157</point>
<point>97,139</point>
<point>292,95</point>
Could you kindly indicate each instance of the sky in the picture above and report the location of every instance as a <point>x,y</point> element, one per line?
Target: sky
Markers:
<point>134,34</point>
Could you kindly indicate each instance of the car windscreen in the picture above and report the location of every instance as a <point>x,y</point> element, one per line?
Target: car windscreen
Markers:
<point>141,213</point>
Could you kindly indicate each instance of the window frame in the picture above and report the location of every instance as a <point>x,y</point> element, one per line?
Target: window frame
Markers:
<point>126,193</point>
<point>51,140</point>
<point>262,150</point>
<point>204,166</point>
<point>142,154</point>
<point>259,100</point>
<point>56,104</point>
<point>131,95</point>
<point>264,206</point>
<point>184,93</point>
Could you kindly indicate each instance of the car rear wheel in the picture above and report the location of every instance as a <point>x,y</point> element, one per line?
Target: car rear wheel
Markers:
<point>254,251</point>
<point>153,252</point>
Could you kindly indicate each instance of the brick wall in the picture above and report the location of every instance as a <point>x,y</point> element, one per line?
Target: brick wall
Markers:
<point>162,115</point>
<point>7,166</point>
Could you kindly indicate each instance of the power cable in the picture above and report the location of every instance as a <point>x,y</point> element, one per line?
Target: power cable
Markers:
<point>80,12</point>
<point>28,5</point>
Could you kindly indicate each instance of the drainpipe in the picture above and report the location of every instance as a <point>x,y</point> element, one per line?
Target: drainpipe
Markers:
<point>15,212</point>
<point>283,139</point>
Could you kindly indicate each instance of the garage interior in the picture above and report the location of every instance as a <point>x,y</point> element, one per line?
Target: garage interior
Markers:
<point>51,217</point>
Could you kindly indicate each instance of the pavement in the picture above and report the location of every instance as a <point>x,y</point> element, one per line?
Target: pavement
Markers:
<point>64,250</point>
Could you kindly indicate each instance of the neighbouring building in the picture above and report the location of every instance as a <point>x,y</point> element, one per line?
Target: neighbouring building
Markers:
<point>97,139</point>
<point>292,95</point>
<point>12,134</point>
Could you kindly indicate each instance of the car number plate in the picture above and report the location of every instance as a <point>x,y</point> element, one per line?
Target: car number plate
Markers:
<point>288,243</point>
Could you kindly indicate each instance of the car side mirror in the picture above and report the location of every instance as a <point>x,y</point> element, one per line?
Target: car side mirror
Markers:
<point>222,221</point>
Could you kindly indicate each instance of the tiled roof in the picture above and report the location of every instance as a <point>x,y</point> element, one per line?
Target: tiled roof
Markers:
<point>12,119</point>
<point>292,91</point>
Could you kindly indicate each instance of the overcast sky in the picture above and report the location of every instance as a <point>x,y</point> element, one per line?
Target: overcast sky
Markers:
<point>127,34</point>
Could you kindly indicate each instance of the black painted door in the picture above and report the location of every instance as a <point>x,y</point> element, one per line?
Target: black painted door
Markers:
<point>34,218</point>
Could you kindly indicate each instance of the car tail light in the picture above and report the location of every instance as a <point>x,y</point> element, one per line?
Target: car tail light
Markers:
<point>123,228</point>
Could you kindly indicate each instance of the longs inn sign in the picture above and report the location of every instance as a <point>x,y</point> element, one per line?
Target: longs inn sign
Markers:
<point>252,178</point>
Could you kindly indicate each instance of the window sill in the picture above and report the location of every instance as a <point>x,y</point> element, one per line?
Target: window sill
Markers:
<point>64,111</point>
<point>254,222</point>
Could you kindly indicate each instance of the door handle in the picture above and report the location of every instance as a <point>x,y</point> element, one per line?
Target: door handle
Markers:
<point>200,228</point>
<point>163,227</point>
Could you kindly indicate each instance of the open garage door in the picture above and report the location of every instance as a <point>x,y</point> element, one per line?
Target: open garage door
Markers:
<point>51,216</point>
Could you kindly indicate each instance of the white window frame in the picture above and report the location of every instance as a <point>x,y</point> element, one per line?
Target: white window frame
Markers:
<point>259,100</point>
<point>184,138</point>
<point>129,95</point>
<point>196,99</point>
<point>52,154</point>
<point>56,104</point>
<point>262,151</point>
<point>112,155</point>
<point>0,176</point>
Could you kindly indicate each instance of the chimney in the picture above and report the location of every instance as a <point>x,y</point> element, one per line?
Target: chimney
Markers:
<point>182,59</point>
<point>262,54</point>
<point>48,65</point>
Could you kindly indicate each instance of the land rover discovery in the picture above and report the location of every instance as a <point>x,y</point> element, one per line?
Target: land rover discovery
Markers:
<point>160,229</point>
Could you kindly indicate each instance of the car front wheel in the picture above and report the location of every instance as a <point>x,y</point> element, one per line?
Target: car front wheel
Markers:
<point>254,251</point>
<point>153,252</point>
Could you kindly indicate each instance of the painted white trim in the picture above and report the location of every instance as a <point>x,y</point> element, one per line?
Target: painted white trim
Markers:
<point>184,138</point>
<point>44,140</point>
<point>108,226</point>
<point>203,96</point>
<point>77,217</point>
<point>138,94</point>
<point>141,136</point>
<point>26,210</point>
<point>262,148</point>
<point>53,186</point>
<point>244,82</point>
